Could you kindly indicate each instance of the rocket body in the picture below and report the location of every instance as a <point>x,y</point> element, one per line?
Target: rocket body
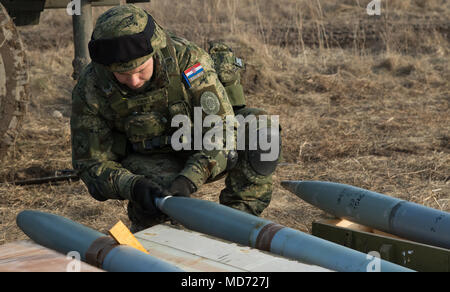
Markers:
<point>392,215</point>
<point>239,227</point>
<point>63,235</point>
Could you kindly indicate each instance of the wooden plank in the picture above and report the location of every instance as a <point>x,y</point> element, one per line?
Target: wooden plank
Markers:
<point>357,227</point>
<point>186,261</point>
<point>193,251</point>
<point>26,256</point>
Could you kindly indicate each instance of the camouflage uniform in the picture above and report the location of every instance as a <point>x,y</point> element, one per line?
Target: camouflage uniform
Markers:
<point>110,124</point>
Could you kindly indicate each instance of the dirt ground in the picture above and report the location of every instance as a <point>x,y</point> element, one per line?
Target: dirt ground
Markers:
<point>363,100</point>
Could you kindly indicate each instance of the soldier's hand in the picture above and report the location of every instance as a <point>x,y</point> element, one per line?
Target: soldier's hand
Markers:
<point>182,187</point>
<point>144,193</point>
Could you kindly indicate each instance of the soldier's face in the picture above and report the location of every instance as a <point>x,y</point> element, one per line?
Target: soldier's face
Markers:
<point>137,77</point>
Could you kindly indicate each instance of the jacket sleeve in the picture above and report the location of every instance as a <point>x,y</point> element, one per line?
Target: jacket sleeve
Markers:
<point>208,97</point>
<point>92,144</point>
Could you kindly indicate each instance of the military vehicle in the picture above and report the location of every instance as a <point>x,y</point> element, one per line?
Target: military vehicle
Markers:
<point>14,77</point>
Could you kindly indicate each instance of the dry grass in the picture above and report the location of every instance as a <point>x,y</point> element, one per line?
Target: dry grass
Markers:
<point>370,109</point>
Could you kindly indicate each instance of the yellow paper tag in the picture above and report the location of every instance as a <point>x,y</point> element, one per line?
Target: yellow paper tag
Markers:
<point>124,236</point>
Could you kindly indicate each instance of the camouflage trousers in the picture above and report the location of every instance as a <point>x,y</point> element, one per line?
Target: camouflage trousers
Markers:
<point>244,190</point>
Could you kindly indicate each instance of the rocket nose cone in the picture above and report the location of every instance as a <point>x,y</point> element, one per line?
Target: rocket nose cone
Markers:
<point>297,187</point>
<point>24,217</point>
<point>290,185</point>
<point>31,221</point>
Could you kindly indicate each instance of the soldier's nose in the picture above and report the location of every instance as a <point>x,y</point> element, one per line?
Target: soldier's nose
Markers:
<point>134,81</point>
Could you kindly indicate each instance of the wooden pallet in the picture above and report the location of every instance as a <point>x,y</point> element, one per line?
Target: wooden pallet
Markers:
<point>26,256</point>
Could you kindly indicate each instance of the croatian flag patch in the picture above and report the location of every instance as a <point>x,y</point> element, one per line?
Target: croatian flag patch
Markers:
<point>193,73</point>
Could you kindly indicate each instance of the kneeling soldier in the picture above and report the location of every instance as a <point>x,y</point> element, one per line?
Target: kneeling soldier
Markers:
<point>122,106</point>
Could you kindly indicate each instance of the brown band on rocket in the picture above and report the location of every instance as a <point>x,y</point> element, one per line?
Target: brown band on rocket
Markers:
<point>266,235</point>
<point>98,250</point>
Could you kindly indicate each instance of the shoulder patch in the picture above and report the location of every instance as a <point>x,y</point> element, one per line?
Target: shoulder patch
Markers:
<point>193,73</point>
<point>210,103</point>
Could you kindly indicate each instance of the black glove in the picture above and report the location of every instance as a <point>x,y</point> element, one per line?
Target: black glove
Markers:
<point>144,193</point>
<point>182,187</point>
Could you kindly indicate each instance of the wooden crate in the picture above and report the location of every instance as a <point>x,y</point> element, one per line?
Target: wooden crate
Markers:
<point>26,256</point>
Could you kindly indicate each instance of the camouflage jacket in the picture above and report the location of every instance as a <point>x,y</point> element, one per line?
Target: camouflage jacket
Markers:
<point>98,129</point>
